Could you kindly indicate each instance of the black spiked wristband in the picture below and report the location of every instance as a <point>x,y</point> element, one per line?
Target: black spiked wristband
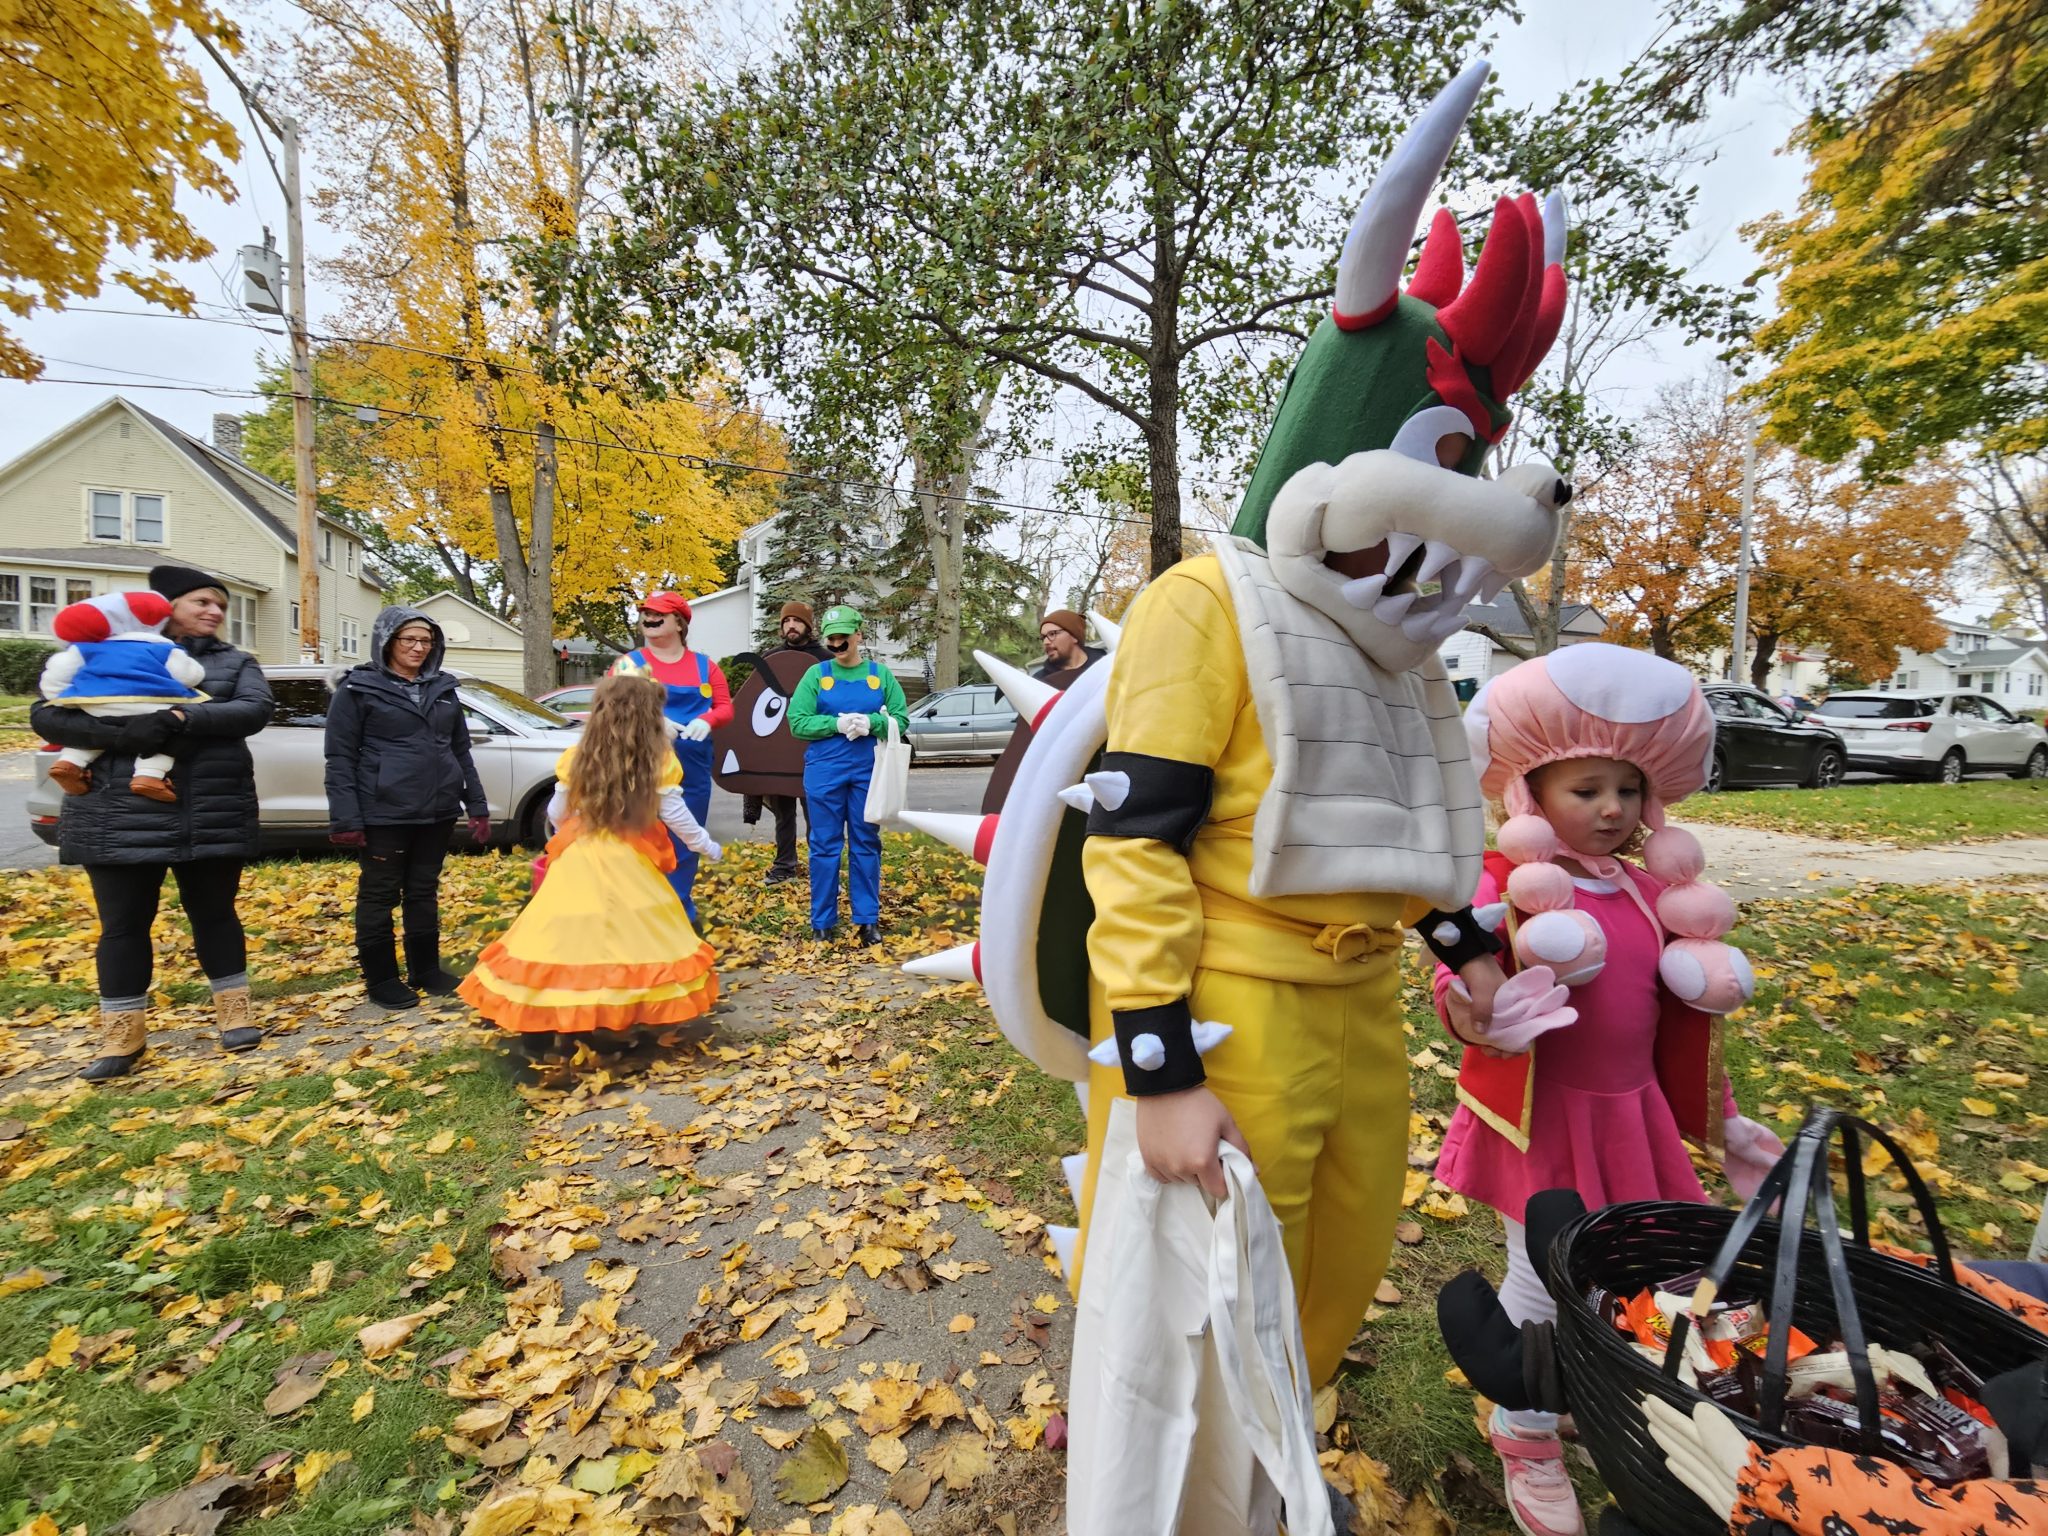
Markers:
<point>1173,1026</point>
<point>1456,938</point>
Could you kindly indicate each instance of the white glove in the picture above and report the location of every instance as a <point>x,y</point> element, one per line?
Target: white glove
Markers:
<point>1704,1452</point>
<point>1529,1003</point>
<point>1749,1150</point>
<point>853,727</point>
<point>708,850</point>
<point>674,731</point>
<point>696,730</point>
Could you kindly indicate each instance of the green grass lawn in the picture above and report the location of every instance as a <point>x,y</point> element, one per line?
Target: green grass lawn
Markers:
<point>14,731</point>
<point>164,1254</point>
<point>1978,810</point>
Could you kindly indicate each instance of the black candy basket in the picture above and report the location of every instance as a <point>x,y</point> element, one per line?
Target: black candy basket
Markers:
<point>1828,1288</point>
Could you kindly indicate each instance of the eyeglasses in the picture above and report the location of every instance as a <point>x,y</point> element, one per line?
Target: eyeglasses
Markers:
<point>422,642</point>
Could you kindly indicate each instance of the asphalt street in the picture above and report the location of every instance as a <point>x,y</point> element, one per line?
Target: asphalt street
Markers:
<point>948,788</point>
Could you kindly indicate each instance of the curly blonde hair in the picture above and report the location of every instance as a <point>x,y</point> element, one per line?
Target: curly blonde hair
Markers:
<point>615,776</point>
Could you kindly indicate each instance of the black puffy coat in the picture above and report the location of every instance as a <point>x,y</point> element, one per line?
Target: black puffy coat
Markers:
<point>393,761</point>
<point>215,813</point>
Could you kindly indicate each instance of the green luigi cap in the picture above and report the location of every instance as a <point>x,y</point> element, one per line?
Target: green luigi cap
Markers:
<point>840,620</point>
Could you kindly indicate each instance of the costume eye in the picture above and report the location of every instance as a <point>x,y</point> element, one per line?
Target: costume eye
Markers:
<point>1421,432</point>
<point>768,711</point>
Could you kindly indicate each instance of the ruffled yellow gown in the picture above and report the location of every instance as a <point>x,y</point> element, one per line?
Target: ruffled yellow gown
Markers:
<point>603,944</point>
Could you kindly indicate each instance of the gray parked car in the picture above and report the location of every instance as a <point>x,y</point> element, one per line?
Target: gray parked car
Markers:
<point>515,743</point>
<point>974,721</point>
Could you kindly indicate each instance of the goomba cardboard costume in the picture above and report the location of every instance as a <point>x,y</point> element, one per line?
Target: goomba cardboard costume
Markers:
<point>754,754</point>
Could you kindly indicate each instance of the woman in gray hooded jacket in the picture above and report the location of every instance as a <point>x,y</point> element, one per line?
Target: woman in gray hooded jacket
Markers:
<point>398,774</point>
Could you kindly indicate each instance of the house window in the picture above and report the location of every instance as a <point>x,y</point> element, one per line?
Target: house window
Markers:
<point>42,603</point>
<point>295,621</point>
<point>77,591</point>
<point>10,602</point>
<point>106,515</point>
<point>2033,685</point>
<point>348,551</point>
<point>2005,682</point>
<point>1963,679</point>
<point>327,546</point>
<point>241,622</point>
<point>351,638</point>
<point>113,518</point>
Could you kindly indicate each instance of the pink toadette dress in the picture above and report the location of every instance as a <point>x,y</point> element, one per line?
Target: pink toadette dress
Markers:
<point>1598,1121</point>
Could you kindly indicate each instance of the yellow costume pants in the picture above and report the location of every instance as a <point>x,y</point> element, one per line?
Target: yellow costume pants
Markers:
<point>1316,1077</point>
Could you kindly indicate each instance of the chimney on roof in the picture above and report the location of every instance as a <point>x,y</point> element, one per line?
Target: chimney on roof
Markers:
<point>227,434</point>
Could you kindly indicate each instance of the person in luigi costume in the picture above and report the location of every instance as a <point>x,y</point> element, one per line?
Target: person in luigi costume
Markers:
<point>840,709</point>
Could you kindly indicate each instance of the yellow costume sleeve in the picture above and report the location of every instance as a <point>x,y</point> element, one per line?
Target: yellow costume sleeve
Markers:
<point>1176,692</point>
<point>671,775</point>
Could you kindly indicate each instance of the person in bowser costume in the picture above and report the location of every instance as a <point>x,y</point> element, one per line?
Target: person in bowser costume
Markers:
<point>1273,780</point>
<point>1293,786</point>
<point>699,702</point>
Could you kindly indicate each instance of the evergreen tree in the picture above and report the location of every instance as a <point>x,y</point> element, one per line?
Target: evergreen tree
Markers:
<point>827,544</point>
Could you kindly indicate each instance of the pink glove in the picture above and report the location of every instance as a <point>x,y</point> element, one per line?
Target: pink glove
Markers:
<point>1530,1003</point>
<point>1749,1151</point>
<point>354,839</point>
<point>480,830</point>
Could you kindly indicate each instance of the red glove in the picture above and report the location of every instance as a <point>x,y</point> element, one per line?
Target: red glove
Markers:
<point>346,839</point>
<point>480,830</point>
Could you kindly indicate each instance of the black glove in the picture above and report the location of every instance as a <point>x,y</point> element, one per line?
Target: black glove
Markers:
<point>145,734</point>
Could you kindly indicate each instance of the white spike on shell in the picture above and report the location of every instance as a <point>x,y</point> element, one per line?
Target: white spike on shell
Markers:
<point>955,831</point>
<point>1556,224</point>
<point>1075,1167</point>
<point>1108,631</point>
<point>1027,695</point>
<point>1376,250</point>
<point>1079,796</point>
<point>947,965</point>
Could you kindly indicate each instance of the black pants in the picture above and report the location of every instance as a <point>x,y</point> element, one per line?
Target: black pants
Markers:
<point>401,866</point>
<point>127,896</point>
<point>784,808</point>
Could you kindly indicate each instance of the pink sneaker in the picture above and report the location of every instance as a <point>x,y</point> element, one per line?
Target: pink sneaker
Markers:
<point>1540,1494</point>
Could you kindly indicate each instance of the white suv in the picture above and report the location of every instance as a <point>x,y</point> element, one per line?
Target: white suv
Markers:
<point>1935,735</point>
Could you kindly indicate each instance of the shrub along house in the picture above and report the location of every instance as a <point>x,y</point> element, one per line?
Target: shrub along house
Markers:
<point>93,506</point>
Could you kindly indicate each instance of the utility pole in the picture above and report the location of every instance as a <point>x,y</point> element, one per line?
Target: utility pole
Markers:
<point>1738,640</point>
<point>306,487</point>
<point>287,130</point>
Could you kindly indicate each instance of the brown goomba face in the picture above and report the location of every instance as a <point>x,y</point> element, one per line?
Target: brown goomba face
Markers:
<point>755,754</point>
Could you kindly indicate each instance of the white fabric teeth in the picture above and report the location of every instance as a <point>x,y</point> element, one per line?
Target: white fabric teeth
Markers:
<point>1436,555</point>
<point>1365,591</point>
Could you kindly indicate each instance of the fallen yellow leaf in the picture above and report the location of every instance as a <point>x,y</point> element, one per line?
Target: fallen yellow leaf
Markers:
<point>962,1323</point>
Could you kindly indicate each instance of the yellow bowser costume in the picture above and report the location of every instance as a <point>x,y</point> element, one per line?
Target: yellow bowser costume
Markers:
<point>1273,773</point>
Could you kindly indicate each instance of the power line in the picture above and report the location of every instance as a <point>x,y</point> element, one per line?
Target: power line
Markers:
<point>692,460</point>
<point>496,364</point>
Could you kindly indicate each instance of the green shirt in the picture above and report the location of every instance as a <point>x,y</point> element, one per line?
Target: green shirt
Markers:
<point>806,723</point>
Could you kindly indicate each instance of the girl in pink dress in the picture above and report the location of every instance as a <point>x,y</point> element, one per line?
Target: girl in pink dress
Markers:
<point>1583,749</point>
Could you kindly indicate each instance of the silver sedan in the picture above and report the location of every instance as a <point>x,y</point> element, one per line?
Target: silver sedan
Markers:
<point>515,743</point>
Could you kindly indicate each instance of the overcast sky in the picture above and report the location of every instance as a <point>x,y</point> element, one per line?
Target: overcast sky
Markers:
<point>1561,41</point>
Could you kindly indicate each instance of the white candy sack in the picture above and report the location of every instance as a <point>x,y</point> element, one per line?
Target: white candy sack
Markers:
<point>889,784</point>
<point>1190,1410</point>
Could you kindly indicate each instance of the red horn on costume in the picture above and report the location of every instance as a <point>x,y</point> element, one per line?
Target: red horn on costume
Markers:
<point>1440,272</point>
<point>1481,320</point>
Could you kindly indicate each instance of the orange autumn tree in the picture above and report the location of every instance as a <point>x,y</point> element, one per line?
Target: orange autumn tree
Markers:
<point>1654,544</point>
<point>1852,569</point>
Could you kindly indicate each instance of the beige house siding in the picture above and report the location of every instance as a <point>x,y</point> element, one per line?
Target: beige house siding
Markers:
<point>479,642</point>
<point>46,530</point>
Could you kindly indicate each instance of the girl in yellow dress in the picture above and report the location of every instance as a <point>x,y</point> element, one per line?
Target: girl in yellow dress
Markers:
<point>604,945</point>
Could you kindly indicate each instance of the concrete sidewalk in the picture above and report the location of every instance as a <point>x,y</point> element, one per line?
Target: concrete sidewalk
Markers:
<point>1748,862</point>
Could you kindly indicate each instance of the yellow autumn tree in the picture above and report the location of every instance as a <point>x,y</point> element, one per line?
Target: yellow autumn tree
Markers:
<point>104,123</point>
<point>453,136</point>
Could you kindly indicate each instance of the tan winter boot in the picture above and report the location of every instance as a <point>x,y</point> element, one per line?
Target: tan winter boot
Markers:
<point>158,790</point>
<point>123,1038</point>
<point>72,778</point>
<point>237,1031</point>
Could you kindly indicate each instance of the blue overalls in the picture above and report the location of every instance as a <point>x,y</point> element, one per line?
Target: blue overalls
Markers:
<point>836,774</point>
<point>685,703</point>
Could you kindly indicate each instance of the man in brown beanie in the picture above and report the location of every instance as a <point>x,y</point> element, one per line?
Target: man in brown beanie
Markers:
<point>798,628</point>
<point>1064,634</point>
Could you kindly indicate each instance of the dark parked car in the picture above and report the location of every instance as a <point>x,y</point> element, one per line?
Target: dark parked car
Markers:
<point>1759,741</point>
